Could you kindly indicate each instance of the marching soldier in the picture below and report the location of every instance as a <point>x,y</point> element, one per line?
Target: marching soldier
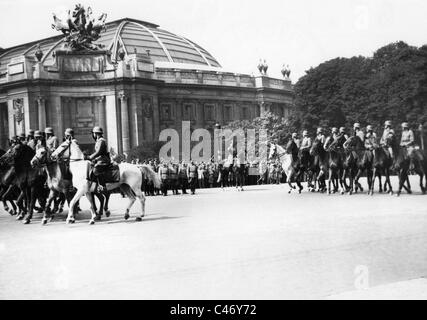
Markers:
<point>173,178</point>
<point>342,133</point>
<point>370,138</point>
<point>163,175</point>
<point>51,140</point>
<point>182,176</point>
<point>100,158</point>
<point>192,176</point>
<point>306,141</point>
<point>30,140</point>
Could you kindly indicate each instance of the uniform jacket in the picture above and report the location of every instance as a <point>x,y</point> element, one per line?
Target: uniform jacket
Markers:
<point>52,143</point>
<point>101,155</point>
<point>386,132</point>
<point>306,143</point>
<point>370,140</point>
<point>407,138</point>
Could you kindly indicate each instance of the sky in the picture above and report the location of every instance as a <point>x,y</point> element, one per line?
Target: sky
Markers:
<point>301,34</point>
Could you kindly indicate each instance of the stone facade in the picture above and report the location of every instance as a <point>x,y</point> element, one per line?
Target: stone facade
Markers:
<point>132,99</point>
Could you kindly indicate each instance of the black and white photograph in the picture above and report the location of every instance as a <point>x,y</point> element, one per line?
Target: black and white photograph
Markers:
<point>213,150</point>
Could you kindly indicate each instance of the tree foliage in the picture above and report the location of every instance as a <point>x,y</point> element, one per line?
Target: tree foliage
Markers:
<point>390,85</point>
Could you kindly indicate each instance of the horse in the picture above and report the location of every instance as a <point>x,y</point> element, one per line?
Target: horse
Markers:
<point>130,181</point>
<point>307,167</point>
<point>419,159</point>
<point>59,182</point>
<point>289,160</point>
<point>335,166</point>
<point>362,159</point>
<point>401,163</point>
<point>321,162</point>
<point>30,181</point>
<point>381,165</point>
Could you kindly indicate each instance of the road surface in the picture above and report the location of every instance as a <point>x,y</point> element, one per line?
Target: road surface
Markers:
<point>261,243</point>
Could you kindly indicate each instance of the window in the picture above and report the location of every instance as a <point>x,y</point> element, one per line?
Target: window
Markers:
<point>209,112</point>
<point>187,111</point>
<point>228,115</point>
<point>166,111</point>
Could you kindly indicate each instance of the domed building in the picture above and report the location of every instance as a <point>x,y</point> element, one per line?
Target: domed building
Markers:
<point>144,80</point>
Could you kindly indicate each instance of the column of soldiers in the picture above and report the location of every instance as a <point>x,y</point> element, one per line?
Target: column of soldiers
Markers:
<point>369,138</point>
<point>37,139</point>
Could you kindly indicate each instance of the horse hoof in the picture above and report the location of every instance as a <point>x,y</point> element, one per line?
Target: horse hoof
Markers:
<point>97,218</point>
<point>44,221</point>
<point>107,213</point>
<point>127,216</point>
<point>70,221</point>
<point>290,191</point>
<point>138,219</point>
<point>91,222</point>
<point>26,221</point>
<point>19,217</point>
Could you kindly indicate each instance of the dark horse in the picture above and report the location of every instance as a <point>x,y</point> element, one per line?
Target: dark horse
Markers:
<point>401,163</point>
<point>8,192</point>
<point>361,159</point>
<point>30,181</point>
<point>381,165</point>
<point>307,167</point>
<point>335,165</point>
<point>321,162</point>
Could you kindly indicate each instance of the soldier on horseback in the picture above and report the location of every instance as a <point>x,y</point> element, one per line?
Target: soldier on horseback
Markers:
<point>320,135</point>
<point>306,141</point>
<point>100,158</point>
<point>51,140</point>
<point>331,138</point>
<point>358,132</point>
<point>296,139</point>
<point>407,141</point>
<point>370,138</point>
<point>39,140</point>
<point>30,140</point>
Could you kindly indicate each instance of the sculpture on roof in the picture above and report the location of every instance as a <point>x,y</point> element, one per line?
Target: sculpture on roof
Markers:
<point>286,71</point>
<point>80,29</point>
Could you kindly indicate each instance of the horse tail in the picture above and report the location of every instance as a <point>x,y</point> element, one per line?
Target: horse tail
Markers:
<point>150,175</point>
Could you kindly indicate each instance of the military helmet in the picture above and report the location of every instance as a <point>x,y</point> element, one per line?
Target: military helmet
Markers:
<point>356,125</point>
<point>38,134</point>
<point>294,135</point>
<point>342,130</point>
<point>305,133</point>
<point>97,130</point>
<point>319,130</point>
<point>334,130</point>
<point>387,123</point>
<point>405,125</point>
<point>22,135</point>
<point>369,128</point>
<point>69,132</point>
<point>48,130</point>
<point>31,132</point>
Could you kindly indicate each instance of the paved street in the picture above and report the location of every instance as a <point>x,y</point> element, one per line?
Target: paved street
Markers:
<point>257,244</point>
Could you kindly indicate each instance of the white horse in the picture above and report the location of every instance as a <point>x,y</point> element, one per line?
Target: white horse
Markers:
<point>288,165</point>
<point>130,180</point>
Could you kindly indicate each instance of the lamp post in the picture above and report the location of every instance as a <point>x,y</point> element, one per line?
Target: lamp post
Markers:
<point>421,129</point>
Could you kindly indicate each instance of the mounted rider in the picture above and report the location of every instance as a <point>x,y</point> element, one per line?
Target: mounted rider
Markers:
<point>341,138</point>
<point>357,132</point>
<point>39,140</point>
<point>30,140</point>
<point>331,138</point>
<point>52,141</point>
<point>407,141</point>
<point>386,133</point>
<point>22,138</point>
<point>296,139</point>
<point>370,138</point>
<point>306,141</point>
<point>101,160</point>
<point>320,135</point>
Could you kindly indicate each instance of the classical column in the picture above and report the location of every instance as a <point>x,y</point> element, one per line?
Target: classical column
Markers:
<point>125,122</point>
<point>102,116</point>
<point>41,112</point>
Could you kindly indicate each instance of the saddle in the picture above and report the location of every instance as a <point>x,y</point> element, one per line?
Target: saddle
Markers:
<point>110,173</point>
